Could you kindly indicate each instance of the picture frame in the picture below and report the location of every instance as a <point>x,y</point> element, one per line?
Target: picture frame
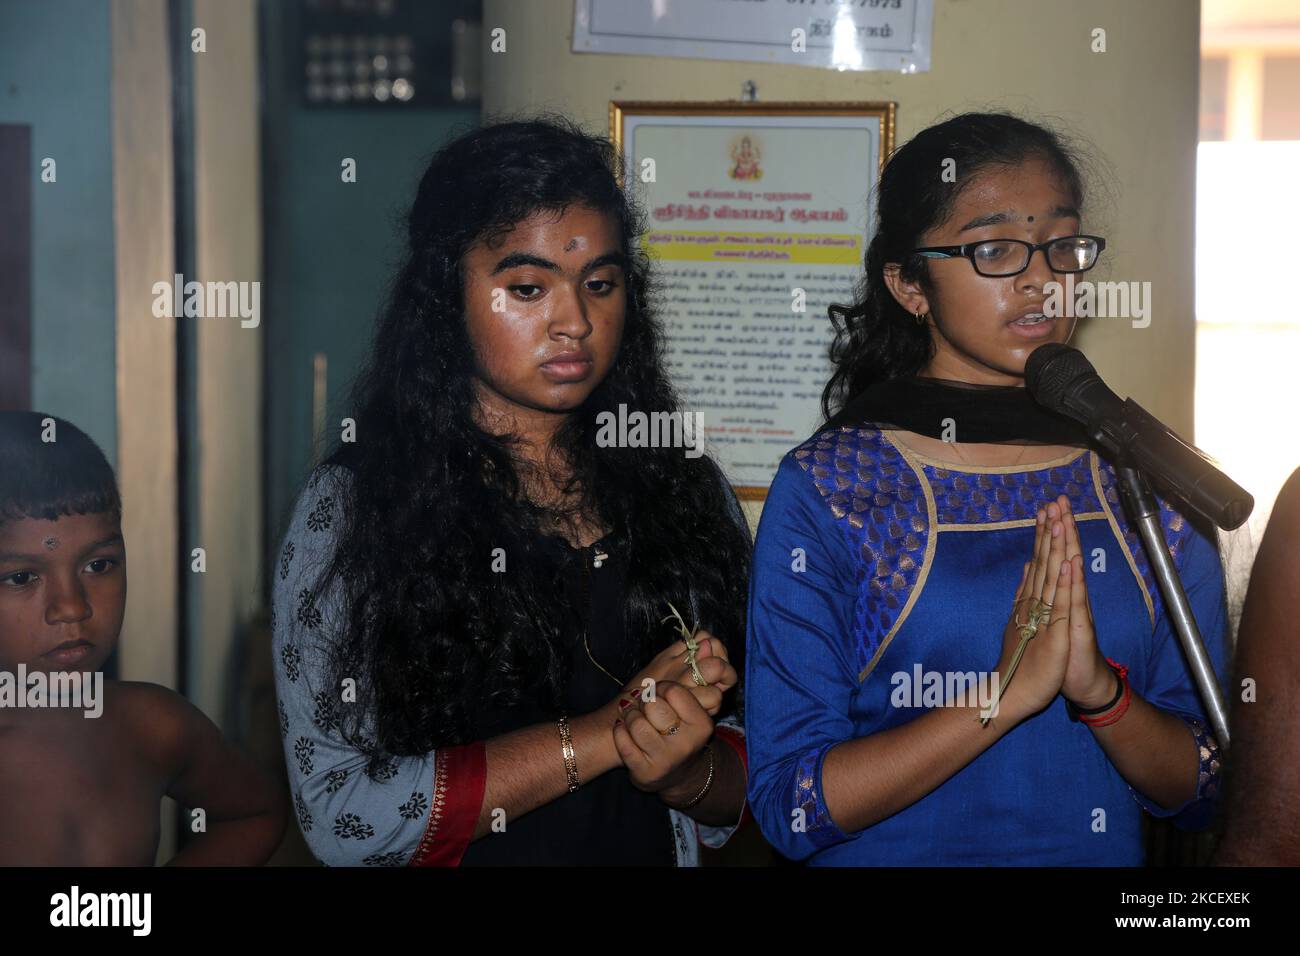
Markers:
<point>758,218</point>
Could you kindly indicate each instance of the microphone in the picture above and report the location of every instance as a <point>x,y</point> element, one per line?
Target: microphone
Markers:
<point>1062,380</point>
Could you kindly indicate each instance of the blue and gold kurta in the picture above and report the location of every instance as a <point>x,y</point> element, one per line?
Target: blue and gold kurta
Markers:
<point>872,561</point>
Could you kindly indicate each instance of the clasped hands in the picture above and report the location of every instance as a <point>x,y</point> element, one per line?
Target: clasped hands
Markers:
<point>1060,654</point>
<point>666,718</point>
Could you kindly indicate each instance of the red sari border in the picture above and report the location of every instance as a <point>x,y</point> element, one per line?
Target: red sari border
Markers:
<point>459,779</point>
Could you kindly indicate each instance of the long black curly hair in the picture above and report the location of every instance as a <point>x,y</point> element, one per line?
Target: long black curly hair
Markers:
<point>434,639</point>
<point>875,338</point>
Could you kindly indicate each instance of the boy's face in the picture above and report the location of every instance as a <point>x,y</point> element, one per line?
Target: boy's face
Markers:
<point>62,592</point>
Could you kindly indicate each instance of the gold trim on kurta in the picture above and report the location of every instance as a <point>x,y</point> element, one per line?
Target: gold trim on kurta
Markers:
<point>931,540</point>
<point>1119,536</point>
<point>964,468</point>
<point>1018,523</point>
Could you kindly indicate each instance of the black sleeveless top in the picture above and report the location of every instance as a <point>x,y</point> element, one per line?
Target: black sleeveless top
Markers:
<point>607,821</point>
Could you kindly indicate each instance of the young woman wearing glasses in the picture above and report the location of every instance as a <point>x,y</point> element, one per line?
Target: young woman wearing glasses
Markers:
<point>943,541</point>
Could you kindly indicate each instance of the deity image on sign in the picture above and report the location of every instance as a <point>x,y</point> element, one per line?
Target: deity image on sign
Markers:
<point>745,156</point>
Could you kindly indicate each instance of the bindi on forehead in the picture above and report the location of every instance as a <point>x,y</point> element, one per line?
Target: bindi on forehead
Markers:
<point>579,241</point>
<point>32,537</point>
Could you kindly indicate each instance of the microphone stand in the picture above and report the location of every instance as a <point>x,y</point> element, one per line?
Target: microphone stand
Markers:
<point>1145,512</point>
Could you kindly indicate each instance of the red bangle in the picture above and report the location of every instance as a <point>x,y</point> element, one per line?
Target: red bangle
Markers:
<point>1111,716</point>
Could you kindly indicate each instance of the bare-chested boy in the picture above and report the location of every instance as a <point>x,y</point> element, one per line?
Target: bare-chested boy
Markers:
<point>80,789</point>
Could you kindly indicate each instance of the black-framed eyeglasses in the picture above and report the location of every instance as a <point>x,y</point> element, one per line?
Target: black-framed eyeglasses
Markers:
<point>1009,257</point>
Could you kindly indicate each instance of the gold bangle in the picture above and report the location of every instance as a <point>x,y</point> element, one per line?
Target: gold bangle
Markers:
<point>570,759</point>
<point>707,783</point>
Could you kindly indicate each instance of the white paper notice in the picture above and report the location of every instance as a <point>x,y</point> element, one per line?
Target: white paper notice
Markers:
<point>832,34</point>
<point>756,225</point>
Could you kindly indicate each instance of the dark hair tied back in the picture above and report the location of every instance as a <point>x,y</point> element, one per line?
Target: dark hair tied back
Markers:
<point>875,338</point>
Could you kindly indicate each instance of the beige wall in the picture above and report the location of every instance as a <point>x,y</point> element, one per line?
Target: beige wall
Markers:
<point>146,346</point>
<point>1136,104</point>
<point>229,357</point>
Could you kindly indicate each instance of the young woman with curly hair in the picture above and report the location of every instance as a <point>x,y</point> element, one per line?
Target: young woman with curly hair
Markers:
<point>472,659</point>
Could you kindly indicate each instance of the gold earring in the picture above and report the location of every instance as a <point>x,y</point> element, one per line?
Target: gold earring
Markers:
<point>921,317</point>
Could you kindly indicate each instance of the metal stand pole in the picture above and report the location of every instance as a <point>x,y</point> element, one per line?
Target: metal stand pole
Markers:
<point>1144,511</point>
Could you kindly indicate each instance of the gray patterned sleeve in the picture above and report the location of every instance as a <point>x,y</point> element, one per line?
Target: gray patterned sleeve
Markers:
<point>349,815</point>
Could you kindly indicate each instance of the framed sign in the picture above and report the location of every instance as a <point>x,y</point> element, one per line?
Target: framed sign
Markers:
<point>758,218</point>
<point>831,34</point>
